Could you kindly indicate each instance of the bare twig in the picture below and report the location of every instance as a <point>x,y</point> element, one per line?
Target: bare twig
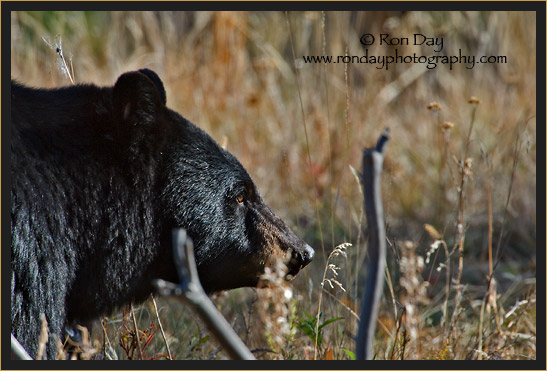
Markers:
<point>372,170</point>
<point>189,290</point>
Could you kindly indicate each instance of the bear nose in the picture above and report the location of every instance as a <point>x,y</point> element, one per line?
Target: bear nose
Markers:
<point>307,255</point>
<point>300,258</point>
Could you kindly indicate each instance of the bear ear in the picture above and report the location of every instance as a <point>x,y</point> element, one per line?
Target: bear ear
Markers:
<point>138,97</point>
<point>157,81</point>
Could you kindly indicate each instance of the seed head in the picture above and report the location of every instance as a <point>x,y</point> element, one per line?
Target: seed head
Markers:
<point>434,106</point>
<point>468,163</point>
<point>432,232</point>
<point>474,100</point>
<point>447,125</point>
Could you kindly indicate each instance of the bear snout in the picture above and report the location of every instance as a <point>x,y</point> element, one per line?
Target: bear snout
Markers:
<point>300,257</point>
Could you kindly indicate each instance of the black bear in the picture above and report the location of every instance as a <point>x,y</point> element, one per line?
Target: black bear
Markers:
<point>100,176</point>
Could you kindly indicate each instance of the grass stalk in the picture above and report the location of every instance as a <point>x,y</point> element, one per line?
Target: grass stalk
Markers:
<point>314,182</point>
<point>139,347</point>
<point>161,328</point>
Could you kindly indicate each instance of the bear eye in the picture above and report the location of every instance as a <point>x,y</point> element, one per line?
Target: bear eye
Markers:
<point>240,199</point>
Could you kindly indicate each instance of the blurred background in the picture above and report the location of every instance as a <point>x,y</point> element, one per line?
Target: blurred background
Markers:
<point>459,181</point>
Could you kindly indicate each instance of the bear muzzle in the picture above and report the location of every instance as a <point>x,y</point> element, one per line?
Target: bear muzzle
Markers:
<point>300,257</point>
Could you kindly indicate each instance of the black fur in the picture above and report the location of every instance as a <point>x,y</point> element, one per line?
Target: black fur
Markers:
<point>100,177</point>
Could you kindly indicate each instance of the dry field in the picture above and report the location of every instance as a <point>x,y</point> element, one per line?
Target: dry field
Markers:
<point>459,182</point>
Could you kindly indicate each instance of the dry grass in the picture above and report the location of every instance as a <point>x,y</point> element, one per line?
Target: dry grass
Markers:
<point>467,169</point>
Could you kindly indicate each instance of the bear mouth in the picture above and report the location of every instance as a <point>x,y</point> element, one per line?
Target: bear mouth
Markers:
<point>292,271</point>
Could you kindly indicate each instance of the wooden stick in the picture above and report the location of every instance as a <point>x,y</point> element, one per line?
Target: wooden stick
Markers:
<point>372,171</point>
<point>189,290</point>
<point>18,351</point>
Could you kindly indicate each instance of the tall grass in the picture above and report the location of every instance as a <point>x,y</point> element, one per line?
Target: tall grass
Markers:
<point>463,288</point>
